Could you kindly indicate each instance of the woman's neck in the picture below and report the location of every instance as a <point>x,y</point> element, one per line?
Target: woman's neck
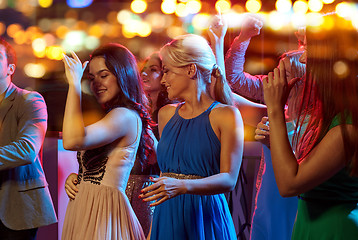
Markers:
<point>194,106</point>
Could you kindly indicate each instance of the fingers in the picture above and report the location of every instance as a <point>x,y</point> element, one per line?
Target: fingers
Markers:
<point>292,82</point>
<point>84,65</point>
<point>264,120</point>
<point>152,186</point>
<point>70,191</point>
<point>163,199</point>
<point>282,68</point>
<point>75,56</point>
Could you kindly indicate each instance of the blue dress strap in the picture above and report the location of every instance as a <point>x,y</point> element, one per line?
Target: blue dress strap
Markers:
<point>212,106</point>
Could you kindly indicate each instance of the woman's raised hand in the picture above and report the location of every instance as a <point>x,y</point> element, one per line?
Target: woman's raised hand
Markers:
<point>218,28</point>
<point>74,68</point>
<point>276,88</point>
<point>250,27</point>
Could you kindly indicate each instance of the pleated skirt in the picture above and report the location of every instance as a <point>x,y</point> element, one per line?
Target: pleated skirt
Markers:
<point>100,212</point>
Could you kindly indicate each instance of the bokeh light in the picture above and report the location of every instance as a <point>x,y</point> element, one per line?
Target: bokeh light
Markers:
<point>193,6</point>
<point>54,52</point>
<point>12,29</point>
<point>222,6</point>
<point>253,6</point>
<point>168,6</point>
<point>34,70</point>
<point>201,21</point>
<point>181,10</point>
<point>138,6</point>
<point>283,5</point>
<point>3,4</point>
<point>45,3</point>
<point>344,9</point>
<point>2,28</point>
<point>300,7</point>
<point>79,3</point>
<point>315,5</point>
<point>341,69</point>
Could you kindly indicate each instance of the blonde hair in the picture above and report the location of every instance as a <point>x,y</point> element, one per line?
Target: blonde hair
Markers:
<point>194,49</point>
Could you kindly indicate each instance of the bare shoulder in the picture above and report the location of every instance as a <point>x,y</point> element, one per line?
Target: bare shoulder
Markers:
<point>165,114</point>
<point>122,115</point>
<point>167,111</point>
<point>223,112</point>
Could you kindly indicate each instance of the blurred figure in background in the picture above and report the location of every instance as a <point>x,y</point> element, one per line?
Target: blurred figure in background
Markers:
<point>273,215</point>
<point>324,170</point>
<point>25,201</point>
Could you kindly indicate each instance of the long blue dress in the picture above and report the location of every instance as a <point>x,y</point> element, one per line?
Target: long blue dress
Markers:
<point>190,146</point>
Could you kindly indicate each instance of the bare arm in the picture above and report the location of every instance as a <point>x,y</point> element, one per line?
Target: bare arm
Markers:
<point>251,112</point>
<point>216,32</point>
<point>240,81</point>
<point>73,130</point>
<point>321,164</point>
<point>119,123</point>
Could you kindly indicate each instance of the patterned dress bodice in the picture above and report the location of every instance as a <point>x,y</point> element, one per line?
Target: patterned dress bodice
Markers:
<point>108,165</point>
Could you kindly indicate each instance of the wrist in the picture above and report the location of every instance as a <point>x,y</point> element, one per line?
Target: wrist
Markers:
<point>243,38</point>
<point>184,186</point>
<point>275,112</point>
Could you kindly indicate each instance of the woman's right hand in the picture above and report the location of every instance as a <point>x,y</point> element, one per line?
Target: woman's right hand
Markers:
<point>74,68</point>
<point>70,186</point>
<point>250,27</point>
<point>262,132</point>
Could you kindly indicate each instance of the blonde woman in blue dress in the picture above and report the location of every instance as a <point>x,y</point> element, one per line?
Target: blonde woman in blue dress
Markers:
<point>200,149</point>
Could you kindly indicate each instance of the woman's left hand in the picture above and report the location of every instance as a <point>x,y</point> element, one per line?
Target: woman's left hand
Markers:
<point>74,68</point>
<point>162,189</point>
<point>217,28</point>
<point>276,88</point>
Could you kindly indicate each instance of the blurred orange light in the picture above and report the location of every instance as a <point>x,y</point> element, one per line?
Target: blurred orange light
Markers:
<point>35,70</point>
<point>112,17</point>
<point>283,5</point>
<point>45,3</point>
<point>222,6</point>
<point>20,37</point>
<point>315,5</point>
<point>253,6</point>
<point>144,29</point>
<point>81,25</point>
<point>39,44</point>
<point>300,7</point>
<point>343,9</point>
<point>40,54</point>
<point>96,30</point>
<point>2,28</point>
<point>181,10</point>
<point>3,4</point>
<point>138,6</point>
<point>193,6</point>
<point>12,29</point>
<point>168,6</point>
<point>61,31</point>
<point>54,52</point>
<point>328,1</point>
